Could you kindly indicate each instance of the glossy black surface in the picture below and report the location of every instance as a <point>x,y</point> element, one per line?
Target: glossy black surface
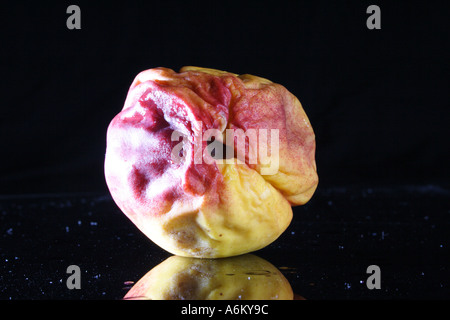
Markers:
<point>324,253</point>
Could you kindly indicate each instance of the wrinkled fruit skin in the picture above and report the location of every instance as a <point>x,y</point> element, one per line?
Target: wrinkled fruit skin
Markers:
<point>207,209</point>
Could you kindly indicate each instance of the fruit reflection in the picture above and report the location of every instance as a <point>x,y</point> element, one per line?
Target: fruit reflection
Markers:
<point>245,277</point>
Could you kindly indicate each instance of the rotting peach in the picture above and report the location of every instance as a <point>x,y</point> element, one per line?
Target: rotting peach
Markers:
<point>190,202</point>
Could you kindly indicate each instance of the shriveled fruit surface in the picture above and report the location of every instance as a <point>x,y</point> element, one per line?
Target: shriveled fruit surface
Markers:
<point>188,201</point>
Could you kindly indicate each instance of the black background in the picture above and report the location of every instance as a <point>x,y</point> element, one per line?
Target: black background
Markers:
<point>378,100</point>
